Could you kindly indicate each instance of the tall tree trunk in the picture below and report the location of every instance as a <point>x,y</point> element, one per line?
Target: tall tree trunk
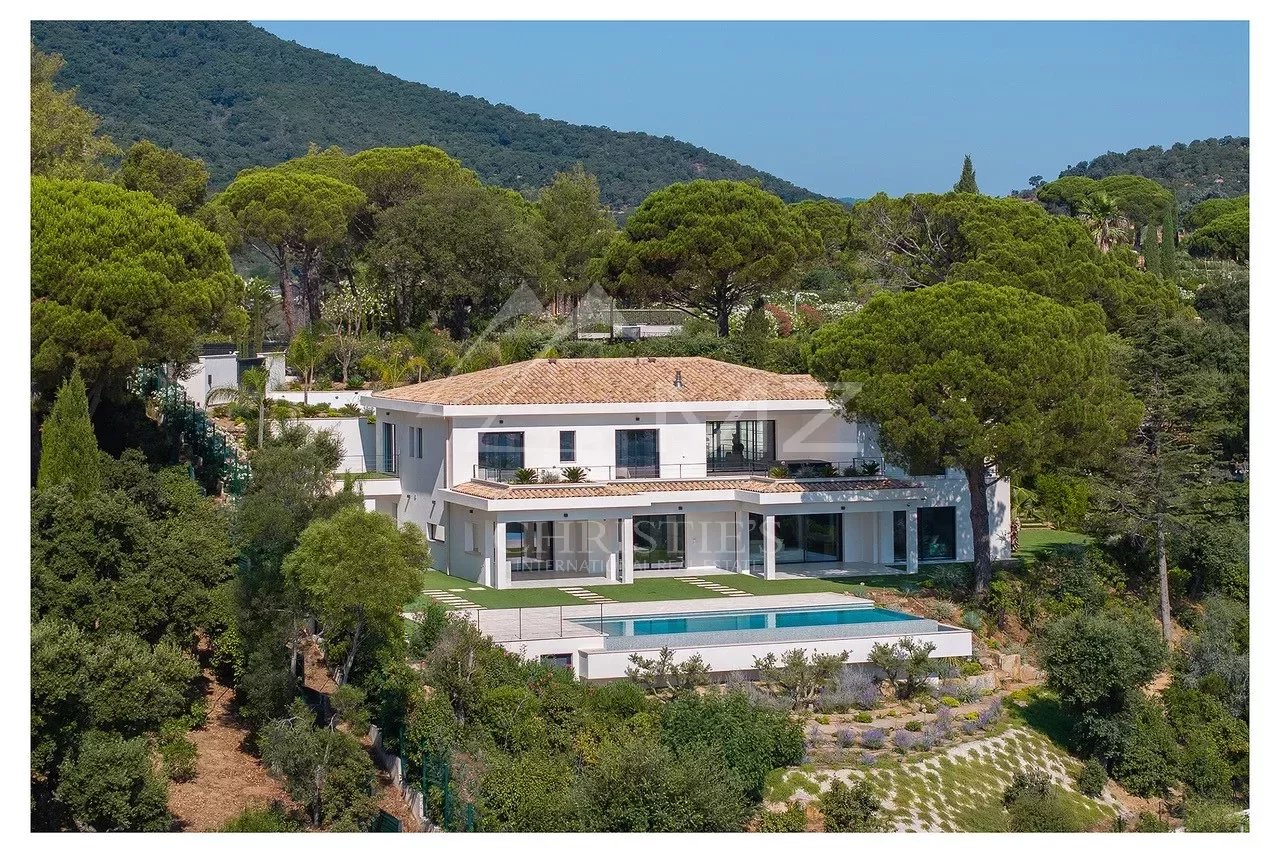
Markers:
<point>1162,563</point>
<point>351,654</point>
<point>286,294</point>
<point>722,319</point>
<point>980,520</point>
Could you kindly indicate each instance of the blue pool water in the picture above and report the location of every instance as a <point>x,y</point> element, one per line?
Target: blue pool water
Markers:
<point>697,623</point>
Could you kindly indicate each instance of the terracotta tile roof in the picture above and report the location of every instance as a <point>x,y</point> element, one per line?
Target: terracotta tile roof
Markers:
<point>503,491</point>
<point>610,380</point>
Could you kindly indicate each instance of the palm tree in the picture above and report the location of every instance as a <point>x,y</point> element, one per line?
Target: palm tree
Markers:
<point>1101,215</point>
<point>432,352</point>
<point>306,352</point>
<point>252,391</point>
<point>393,364</point>
<point>256,297</point>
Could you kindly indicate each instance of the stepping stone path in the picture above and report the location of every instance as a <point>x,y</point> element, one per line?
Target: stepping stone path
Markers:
<point>702,583</point>
<point>586,595</point>
<point>449,599</point>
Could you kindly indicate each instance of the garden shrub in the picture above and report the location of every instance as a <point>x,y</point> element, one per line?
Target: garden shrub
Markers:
<point>873,738</point>
<point>846,738</point>
<point>1035,804</point>
<point>950,701</point>
<point>176,752</point>
<point>1214,816</point>
<point>851,808</point>
<point>862,717</point>
<point>914,726</point>
<point>905,741</point>
<point>272,818</point>
<point>790,819</point>
<point>1092,779</point>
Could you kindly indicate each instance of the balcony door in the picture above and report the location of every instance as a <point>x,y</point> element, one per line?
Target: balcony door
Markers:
<point>636,453</point>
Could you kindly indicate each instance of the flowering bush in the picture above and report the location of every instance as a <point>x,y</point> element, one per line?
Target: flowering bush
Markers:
<point>781,318</point>
<point>873,738</point>
<point>905,741</point>
<point>990,714</point>
<point>846,738</point>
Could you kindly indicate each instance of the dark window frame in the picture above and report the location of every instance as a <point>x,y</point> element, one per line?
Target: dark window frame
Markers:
<point>504,456</point>
<point>572,449</point>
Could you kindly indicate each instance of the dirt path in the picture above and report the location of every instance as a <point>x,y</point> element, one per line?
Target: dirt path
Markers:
<point>228,779</point>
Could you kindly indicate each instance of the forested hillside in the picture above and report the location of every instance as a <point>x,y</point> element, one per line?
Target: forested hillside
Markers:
<point>237,96</point>
<point>1205,168</point>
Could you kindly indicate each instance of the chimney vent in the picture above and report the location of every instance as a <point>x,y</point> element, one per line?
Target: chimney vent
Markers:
<point>679,380</point>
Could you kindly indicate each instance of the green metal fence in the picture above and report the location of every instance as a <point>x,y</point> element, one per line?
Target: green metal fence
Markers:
<point>219,464</point>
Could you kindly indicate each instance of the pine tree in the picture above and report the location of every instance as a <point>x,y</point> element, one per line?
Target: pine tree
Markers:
<point>1151,256</point>
<point>1168,246</point>
<point>68,448</point>
<point>968,182</point>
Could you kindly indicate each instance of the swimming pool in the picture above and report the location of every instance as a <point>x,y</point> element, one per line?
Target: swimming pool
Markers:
<point>746,620</point>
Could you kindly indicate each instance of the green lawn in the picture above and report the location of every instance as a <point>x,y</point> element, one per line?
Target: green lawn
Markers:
<point>662,589</point>
<point>1034,542</point>
<point>655,589</point>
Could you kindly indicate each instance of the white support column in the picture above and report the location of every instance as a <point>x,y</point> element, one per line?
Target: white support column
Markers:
<point>849,546</point>
<point>770,548</point>
<point>913,540</point>
<point>498,548</point>
<point>742,541</point>
<point>626,532</point>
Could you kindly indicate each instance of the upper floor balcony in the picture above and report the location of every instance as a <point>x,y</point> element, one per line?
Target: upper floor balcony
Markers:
<point>851,468</point>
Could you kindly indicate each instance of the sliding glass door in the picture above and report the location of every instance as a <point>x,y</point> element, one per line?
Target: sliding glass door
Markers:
<point>530,546</point>
<point>658,541</point>
<point>808,538</point>
<point>636,453</point>
<point>740,445</point>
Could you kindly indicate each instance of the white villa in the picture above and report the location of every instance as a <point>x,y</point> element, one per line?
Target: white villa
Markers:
<point>681,466</point>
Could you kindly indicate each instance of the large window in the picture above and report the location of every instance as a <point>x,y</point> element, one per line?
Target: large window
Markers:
<point>501,453</point>
<point>530,546</point>
<point>740,445</point>
<point>808,538</point>
<point>935,534</point>
<point>636,453</point>
<point>658,541</point>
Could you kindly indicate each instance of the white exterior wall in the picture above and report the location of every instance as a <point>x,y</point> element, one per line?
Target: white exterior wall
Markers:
<point>222,371</point>
<point>357,437</point>
<point>336,399</point>
<point>450,457</point>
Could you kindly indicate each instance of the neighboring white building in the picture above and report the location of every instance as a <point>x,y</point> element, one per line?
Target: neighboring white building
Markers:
<point>677,454</point>
<point>220,366</point>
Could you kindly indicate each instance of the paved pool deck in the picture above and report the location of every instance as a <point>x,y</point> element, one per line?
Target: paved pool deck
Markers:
<point>538,623</point>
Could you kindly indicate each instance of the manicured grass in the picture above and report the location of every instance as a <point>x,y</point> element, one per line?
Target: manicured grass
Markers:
<point>496,599</point>
<point>1034,542</point>
<point>655,589</point>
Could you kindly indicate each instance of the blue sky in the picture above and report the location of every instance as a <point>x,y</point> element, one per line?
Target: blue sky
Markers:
<point>843,108</point>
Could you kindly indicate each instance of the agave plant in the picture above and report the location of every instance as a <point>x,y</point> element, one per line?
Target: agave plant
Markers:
<point>574,474</point>
<point>777,472</point>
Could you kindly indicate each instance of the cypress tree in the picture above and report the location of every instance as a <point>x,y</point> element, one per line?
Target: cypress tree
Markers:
<point>1151,256</point>
<point>68,448</point>
<point>968,182</point>
<point>1168,246</point>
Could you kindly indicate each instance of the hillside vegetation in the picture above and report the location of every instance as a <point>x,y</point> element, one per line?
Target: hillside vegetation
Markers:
<point>237,96</point>
<point>1205,168</point>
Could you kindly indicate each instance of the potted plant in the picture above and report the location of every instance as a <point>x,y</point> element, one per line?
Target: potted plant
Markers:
<point>778,472</point>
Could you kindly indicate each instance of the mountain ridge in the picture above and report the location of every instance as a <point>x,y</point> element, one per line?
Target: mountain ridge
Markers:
<point>237,96</point>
